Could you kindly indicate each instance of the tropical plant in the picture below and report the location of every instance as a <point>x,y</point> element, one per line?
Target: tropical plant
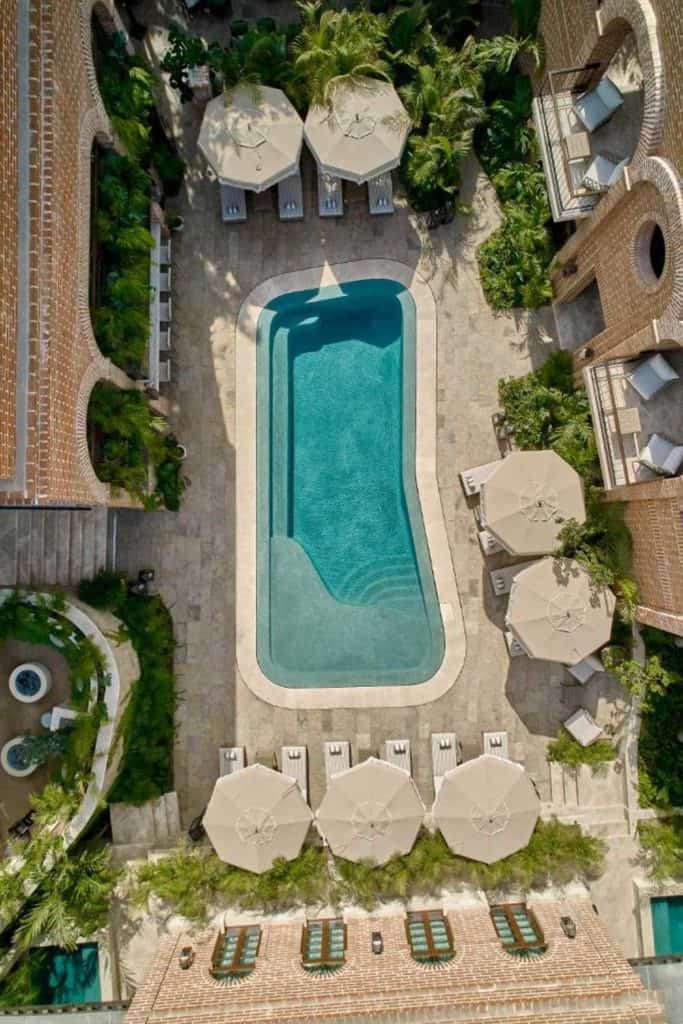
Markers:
<point>644,682</point>
<point>662,843</point>
<point>660,780</point>
<point>514,261</point>
<point>170,481</point>
<point>38,748</point>
<point>508,136</point>
<point>526,15</point>
<point>20,987</point>
<point>127,88</point>
<point>564,749</point>
<point>431,169</point>
<point>454,19</point>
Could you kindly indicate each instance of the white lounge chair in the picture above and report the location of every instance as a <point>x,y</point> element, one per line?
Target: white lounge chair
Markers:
<point>233,205</point>
<point>165,280</point>
<point>290,198</point>
<point>330,198</point>
<point>337,757</point>
<point>585,669</point>
<point>230,759</point>
<point>501,579</point>
<point>650,376</point>
<point>488,543</point>
<point>444,756</point>
<point>381,194</point>
<point>294,762</point>
<point>165,312</point>
<point>165,339</point>
<point>472,479</point>
<point>597,106</point>
<point>661,455</point>
<point>496,744</point>
<point>602,172</point>
<point>165,254</point>
<point>397,752</point>
<point>515,649</point>
<point>583,727</point>
<point>164,371</point>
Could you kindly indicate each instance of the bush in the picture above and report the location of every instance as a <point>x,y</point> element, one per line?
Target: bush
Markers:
<point>663,845</point>
<point>564,749</point>
<point>514,261</point>
<point>148,722</point>
<point>659,748</point>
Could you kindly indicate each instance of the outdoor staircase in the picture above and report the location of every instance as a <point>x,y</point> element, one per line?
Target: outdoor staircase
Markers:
<point>594,800</point>
<point>52,547</point>
<point>142,832</point>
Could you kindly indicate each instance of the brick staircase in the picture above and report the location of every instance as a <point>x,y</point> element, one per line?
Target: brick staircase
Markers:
<point>48,547</point>
<point>595,800</point>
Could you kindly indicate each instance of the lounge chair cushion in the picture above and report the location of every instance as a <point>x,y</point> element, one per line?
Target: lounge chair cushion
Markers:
<point>583,727</point>
<point>596,107</point>
<point>603,172</point>
<point>661,455</point>
<point>651,376</point>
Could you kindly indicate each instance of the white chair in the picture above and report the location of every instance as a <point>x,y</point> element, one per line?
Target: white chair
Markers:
<point>661,455</point>
<point>233,204</point>
<point>330,198</point>
<point>165,312</point>
<point>165,339</point>
<point>488,543</point>
<point>165,254</point>
<point>585,669</point>
<point>597,106</point>
<point>290,198</point>
<point>583,727</point>
<point>515,649</point>
<point>380,195</point>
<point>165,371</point>
<point>397,752</point>
<point>444,756</point>
<point>472,479</point>
<point>337,757</point>
<point>165,280</point>
<point>294,763</point>
<point>501,579</point>
<point>650,376</point>
<point>230,759</point>
<point>603,172</point>
<point>496,744</point>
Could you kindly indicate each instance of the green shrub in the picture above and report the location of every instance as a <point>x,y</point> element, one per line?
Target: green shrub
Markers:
<point>148,723</point>
<point>129,437</point>
<point>514,261</point>
<point>663,846</point>
<point>660,752</point>
<point>564,749</point>
<point>170,481</point>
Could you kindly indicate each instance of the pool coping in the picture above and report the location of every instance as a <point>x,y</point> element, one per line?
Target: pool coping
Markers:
<point>425,475</point>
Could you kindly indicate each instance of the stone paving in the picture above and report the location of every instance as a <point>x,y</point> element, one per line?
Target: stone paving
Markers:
<point>215,267</point>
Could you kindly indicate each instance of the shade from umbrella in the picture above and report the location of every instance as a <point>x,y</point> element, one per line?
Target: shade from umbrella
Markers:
<point>372,811</point>
<point>486,809</point>
<point>256,815</point>
<point>557,613</point>
<point>252,137</point>
<point>362,133</point>
<point>526,500</point>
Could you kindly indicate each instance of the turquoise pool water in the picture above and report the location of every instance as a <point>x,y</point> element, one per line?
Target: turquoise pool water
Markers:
<point>667,922</point>
<point>68,977</point>
<point>345,592</point>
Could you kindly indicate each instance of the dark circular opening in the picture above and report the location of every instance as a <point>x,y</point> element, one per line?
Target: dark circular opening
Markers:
<point>657,251</point>
<point>17,757</point>
<point>28,682</point>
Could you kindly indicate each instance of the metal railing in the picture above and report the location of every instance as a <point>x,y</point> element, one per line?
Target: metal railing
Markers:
<point>50,1009</point>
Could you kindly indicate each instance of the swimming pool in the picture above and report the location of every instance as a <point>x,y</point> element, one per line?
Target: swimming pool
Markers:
<point>68,976</point>
<point>667,924</point>
<point>345,593</point>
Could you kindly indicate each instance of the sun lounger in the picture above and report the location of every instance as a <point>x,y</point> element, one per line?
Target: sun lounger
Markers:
<point>380,194</point>
<point>290,198</point>
<point>165,280</point>
<point>164,371</point>
<point>397,752</point>
<point>583,727</point>
<point>165,339</point>
<point>650,376</point>
<point>165,312</point>
<point>496,743</point>
<point>444,756</point>
<point>165,254</point>
<point>472,479</point>
<point>585,669</point>
<point>603,172</point>
<point>501,579</point>
<point>233,205</point>
<point>596,107</point>
<point>330,198</point>
<point>337,757</point>
<point>488,543</point>
<point>514,647</point>
<point>230,759</point>
<point>294,762</point>
<point>661,455</point>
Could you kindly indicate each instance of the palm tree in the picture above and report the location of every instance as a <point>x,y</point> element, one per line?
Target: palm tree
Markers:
<point>431,168</point>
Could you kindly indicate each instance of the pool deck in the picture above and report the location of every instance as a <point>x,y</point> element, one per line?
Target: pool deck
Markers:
<point>216,266</point>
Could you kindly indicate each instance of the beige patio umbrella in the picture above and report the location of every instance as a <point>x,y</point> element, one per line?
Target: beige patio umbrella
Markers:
<point>557,613</point>
<point>372,811</point>
<point>486,809</point>
<point>362,133</point>
<point>252,137</point>
<point>526,500</point>
<point>256,815</point>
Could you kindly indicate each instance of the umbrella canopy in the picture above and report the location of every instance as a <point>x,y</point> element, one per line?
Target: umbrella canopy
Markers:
<point>362,133</point>
<point>486,808</point>
<point>527,499</point>
<point>256,815</point>
<point>557,613</point>
<point>251,137</point>
<point>372,811</point>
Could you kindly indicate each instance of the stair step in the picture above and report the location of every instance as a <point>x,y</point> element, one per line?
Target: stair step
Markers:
<point>101,516</point>
<point>49,574</point>
<point>75,549</point>
<point>63,546</point>
<point>86,562</point>
<point>48,546</point>
<point>8,547</point>
<point>36,546</point>
<point>24,549</point>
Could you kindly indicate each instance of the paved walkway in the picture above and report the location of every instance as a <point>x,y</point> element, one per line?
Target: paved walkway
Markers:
<point>215,266</point>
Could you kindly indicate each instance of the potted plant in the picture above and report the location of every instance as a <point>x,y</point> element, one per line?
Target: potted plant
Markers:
<point>175,222</point>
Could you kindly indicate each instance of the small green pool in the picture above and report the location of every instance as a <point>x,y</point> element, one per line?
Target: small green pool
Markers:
<point>667,923</point>
<point>64,977</point>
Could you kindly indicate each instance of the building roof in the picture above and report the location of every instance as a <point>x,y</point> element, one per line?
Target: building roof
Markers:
<point>584,980</point>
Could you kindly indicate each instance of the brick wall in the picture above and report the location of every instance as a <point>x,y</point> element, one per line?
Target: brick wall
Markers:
<point>577,980</point>
<point>637,318</point>
<point>8,231</point>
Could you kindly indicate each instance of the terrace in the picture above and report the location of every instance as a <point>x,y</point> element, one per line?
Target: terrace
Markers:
<point>568,150</point>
